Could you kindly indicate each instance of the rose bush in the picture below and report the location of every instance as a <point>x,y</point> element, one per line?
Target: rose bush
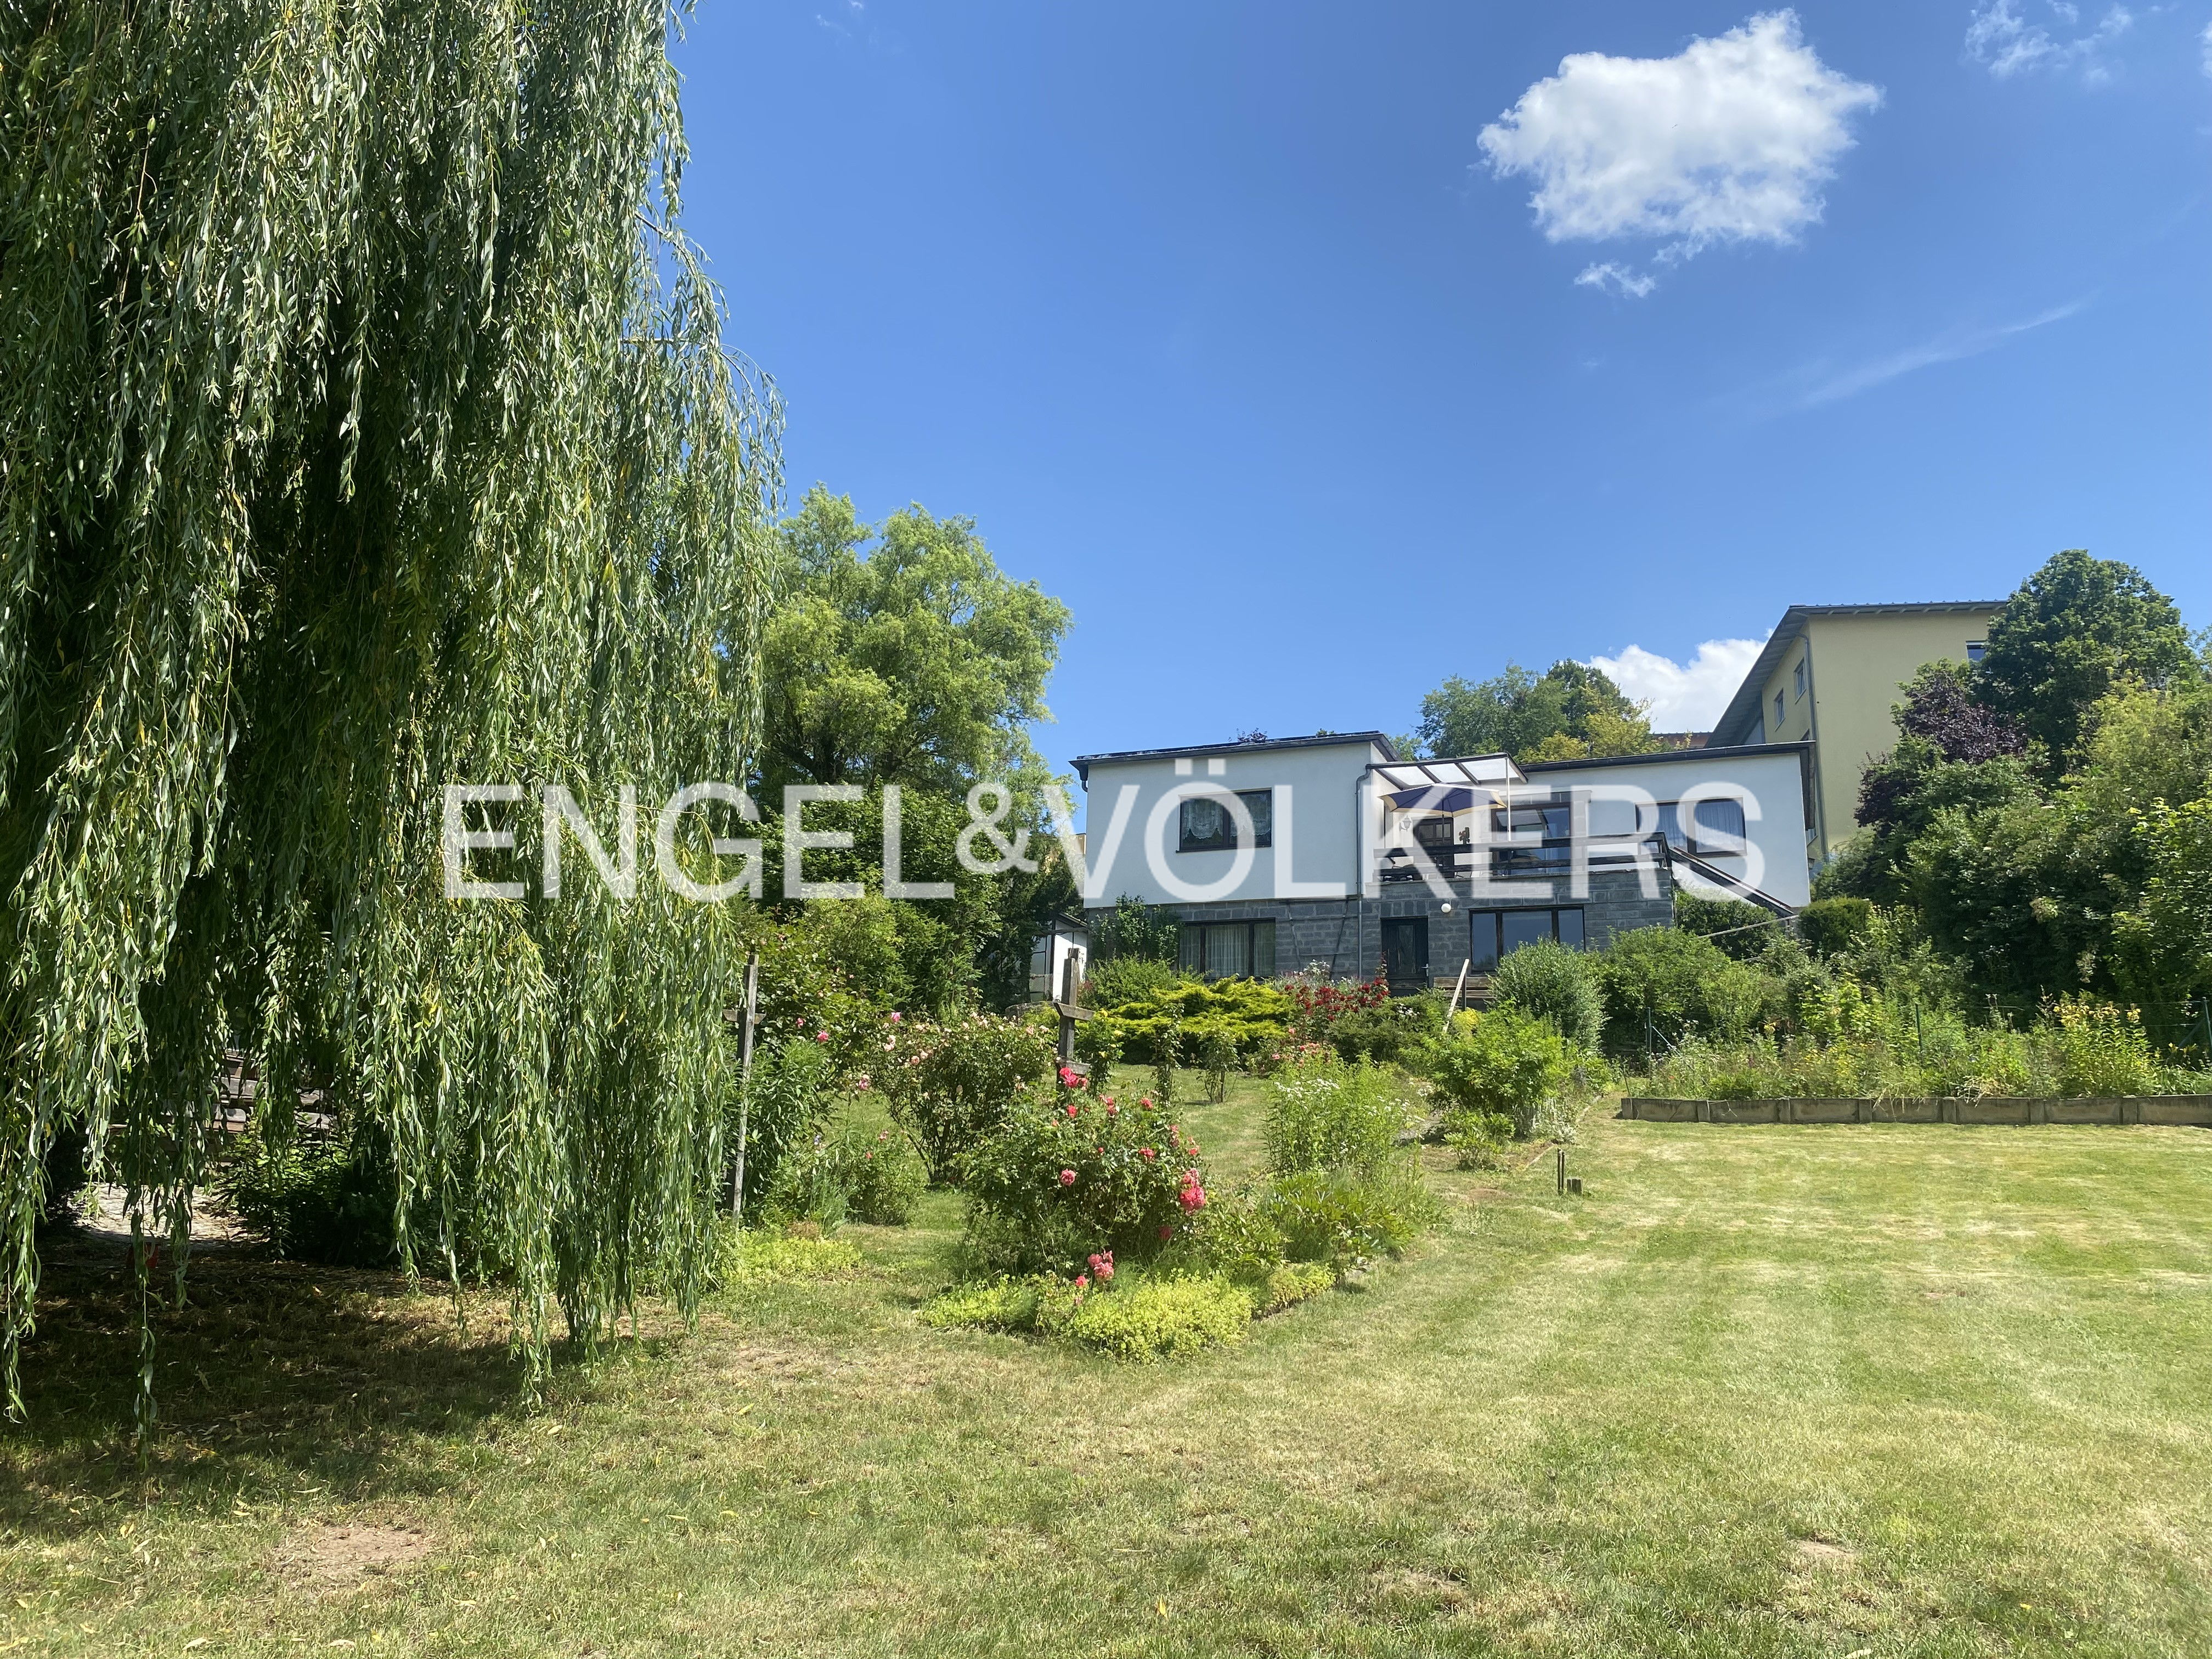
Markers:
<point>1060,1180</point>
<point>950,1085</point>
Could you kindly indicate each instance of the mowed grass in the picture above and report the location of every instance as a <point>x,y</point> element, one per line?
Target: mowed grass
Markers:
<point>1763,1391</point>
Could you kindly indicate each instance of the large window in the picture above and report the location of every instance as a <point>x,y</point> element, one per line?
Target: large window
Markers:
<point>1229,949</point>
<point>1208,826</point>
<point>1499,933</point>
<point>1553,821</point>
<point>1715,818</point>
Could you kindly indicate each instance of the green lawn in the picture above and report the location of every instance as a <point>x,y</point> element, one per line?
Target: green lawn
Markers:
<point>1819,1391</point>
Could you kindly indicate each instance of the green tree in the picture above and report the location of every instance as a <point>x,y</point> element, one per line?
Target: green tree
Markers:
<point>903,655</point>
<point>1569,712</point>
<point>2074,630</point>
<point>365,426</point>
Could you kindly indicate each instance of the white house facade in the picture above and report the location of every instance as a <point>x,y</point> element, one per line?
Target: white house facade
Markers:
<point>1332,850</point>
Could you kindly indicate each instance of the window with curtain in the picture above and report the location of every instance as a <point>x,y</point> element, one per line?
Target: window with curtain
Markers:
<point>1714,817</point>
<point>1208,827</point>
<point>1228,949</point>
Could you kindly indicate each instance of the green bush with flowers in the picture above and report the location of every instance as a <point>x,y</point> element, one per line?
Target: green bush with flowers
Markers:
<point>1061,1180</point>
<point>950,1085</point>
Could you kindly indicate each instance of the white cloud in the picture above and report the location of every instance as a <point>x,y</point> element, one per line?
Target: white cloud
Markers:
<point>2207,38</point>
<point>1828,385</point>
<point>2008,43</point>
<point>1611,278</point>
<point>1727,141</point>
<point>1682,697</point>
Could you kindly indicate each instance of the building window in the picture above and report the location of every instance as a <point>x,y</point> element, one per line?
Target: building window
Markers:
<point>1779,713</point>
<point>1499,933</point>
<point>1974,649</point>
<point>1208,826</point>
<point>1799,678</point>
<point>1229,949</point>
<point>1555,856</point>
<point>1714,817</point>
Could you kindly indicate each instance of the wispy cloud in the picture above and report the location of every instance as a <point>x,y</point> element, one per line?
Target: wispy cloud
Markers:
<point>2009,44</point>
<point>1822,383</point>
<point>1612,279</point>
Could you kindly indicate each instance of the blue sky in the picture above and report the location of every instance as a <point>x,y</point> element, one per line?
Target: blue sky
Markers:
<point>1254,333</point>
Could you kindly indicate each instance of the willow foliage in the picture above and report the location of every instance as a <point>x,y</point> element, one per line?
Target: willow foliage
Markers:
<point>365,425</point>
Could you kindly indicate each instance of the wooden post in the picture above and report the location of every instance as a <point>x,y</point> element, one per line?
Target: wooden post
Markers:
<point>1066,1002</point>
<point>1466,962</point>
<point>746,1084</point>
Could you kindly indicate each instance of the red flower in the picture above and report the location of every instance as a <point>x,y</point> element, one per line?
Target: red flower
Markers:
<point>1147,1103</point>
<point>1081,1283</point>
<point>1071,1109</point>
<point>822,1037</point>
<point>1112,1110</point>
<point>1147,1153</point>
<point>1067,1177</point>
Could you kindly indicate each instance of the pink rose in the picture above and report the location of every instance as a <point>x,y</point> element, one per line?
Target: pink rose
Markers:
<point>822,1037</point>
<point>1112,1110</point>
<point>1067,1177</point>
<point>1147,1153</point>
<point>1081,1283</point>
<point>1071,1109</point>
<point>895,1017</point>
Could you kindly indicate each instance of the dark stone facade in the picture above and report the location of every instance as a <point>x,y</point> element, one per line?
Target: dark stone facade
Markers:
<point>1345,936</point>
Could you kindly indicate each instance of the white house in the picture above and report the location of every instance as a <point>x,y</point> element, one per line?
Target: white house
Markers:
<point>1331,849</point>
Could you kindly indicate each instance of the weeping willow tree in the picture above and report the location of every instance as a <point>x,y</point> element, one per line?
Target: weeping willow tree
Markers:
<point>365,426</point>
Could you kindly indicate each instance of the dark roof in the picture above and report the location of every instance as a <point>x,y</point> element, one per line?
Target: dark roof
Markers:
<point>1669,756</point>
<point>1318,740</point>
<point>1742,707</point>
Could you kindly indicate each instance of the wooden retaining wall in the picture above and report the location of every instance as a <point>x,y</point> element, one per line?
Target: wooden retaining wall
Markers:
<point>2014,1109</point>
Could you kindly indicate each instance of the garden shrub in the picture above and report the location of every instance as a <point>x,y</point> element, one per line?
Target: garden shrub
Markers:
<point>1833,925</point>
<point>2103,1050</point>
<point>950,1085</point>
<point>1388,1033</point>
<point>1251,1014</point>
<point>1228,1237</point>
<point>1653,980</point>
<point>1060,1181</point>
<point>1098,1046</point>
<point>1345,1219</point>
<point>1123,980</point>
<point>883,1177</point>
<point>1331,1116</point>
<point>807,1187</point>
<point>1142,1317</point>
<point>1479,1138</point>
<point>767,1256</point>
<point>877,1179</point>
<point>1292,1282</point>
<point>1152,1316</point>
<point>1167,1052</point>
<point>1217,1058</point>
<point>995,1304</point>
<point>1510,1063</point>
<point>1136,931</point>
<point>789,1098</point>
<point>1549,979</point>
<point>317,1198</point>
<point>1740,930</point>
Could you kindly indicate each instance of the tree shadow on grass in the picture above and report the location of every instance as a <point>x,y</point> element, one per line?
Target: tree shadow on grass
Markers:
<point>274,1377</point>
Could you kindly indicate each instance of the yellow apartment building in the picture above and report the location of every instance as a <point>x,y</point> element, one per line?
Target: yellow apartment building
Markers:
<point>1829,675</point>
